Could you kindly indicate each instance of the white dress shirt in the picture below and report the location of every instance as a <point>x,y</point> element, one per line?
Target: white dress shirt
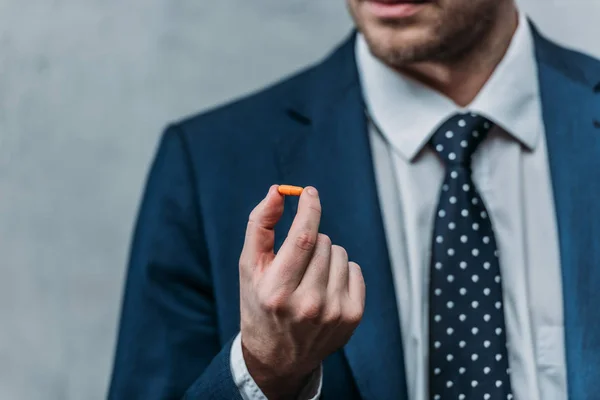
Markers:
<point>249,390</point>
<point>511,172</point>
<point>510,169</point>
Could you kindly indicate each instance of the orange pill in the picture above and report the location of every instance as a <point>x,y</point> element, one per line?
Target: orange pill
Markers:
<point>288,190</point>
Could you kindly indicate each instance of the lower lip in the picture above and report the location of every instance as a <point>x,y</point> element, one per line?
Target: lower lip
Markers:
<point>396,10</point>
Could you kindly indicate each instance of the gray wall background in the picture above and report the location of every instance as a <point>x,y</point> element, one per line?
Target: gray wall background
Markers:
<point>85,88</point>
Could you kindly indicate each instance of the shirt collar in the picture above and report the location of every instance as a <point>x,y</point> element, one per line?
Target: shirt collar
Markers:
<point>407,112</point>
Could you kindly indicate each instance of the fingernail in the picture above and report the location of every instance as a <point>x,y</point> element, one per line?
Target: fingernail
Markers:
<point>312,191</point>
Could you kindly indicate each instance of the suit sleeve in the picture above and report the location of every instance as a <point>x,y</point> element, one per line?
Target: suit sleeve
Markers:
<point>168,345</point>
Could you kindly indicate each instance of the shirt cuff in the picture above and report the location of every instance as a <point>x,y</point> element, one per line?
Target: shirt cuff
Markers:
<point>249,390</point>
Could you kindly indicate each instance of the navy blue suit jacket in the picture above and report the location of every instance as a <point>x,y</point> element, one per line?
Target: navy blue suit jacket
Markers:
<point>181,304</point>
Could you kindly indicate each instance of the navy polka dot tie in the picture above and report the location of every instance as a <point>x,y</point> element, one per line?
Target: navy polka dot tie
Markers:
<point>467,335</point>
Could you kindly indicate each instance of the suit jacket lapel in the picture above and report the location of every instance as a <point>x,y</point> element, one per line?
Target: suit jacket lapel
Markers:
<point>570,107</point>
<point>329,148</point>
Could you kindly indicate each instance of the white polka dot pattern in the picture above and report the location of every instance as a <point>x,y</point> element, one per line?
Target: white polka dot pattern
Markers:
<point>468,353</point>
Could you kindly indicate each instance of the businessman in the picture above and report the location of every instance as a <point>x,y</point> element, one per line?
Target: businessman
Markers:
<point>447,244</point>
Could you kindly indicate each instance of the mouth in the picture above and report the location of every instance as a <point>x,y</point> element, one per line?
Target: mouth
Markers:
<point>395,9</point>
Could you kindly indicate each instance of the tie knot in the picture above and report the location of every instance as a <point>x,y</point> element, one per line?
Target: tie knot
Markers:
<point>459,136</point>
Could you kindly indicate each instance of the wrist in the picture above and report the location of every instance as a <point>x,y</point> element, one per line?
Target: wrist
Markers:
<point>275,383</point>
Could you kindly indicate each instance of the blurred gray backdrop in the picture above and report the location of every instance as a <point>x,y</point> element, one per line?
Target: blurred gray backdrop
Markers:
<point>86,87</point>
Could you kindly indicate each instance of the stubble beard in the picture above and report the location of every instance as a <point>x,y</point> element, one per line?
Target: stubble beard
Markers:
<point>449,43</point>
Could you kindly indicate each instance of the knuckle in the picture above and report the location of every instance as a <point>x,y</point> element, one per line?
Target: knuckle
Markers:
<point>306,241</point>
<point>358,270</point>
<point>334,314</point>
<point>354,316</point>
<point>274,304</point>
<point>258,218</point>
<point>311,308</point>
<point>353,264</point>
<point>324,240</point>
<point>340,251</point>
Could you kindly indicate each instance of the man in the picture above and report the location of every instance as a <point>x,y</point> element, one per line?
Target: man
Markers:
<point>449,150</point>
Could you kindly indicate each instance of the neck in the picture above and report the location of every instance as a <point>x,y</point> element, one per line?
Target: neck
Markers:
<point>462,79</point>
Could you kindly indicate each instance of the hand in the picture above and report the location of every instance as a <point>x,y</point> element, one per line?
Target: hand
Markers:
<point>298,306</point>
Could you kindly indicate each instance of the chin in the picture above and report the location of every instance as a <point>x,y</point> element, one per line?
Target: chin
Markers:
<point>397,40</point>
<point>429,31</point>
<point>398,46</point>
<point>399,36</point>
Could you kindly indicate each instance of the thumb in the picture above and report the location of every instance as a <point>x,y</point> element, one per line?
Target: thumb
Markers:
<point>260,234</point>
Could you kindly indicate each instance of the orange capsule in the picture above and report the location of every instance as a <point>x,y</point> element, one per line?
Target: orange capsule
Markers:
<point>288,190</point>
